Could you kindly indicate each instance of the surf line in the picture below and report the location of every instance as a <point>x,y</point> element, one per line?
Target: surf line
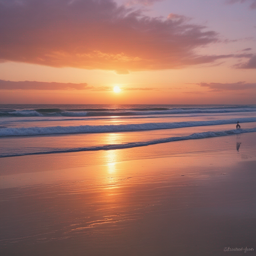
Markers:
<point>193,136</point>
<point>54,130</point>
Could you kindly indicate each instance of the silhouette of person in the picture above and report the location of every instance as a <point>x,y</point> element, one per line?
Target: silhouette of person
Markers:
<point>238,125</point>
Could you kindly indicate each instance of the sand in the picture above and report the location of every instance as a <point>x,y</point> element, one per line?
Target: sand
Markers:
<point>181,198</point>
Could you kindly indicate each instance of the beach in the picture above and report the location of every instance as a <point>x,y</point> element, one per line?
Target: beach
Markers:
<point>188,197</point>
<point>125,202</point>
<point>127,128</point>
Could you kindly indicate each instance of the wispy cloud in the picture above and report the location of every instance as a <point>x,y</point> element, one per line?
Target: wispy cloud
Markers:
<point>33,85</point>
<point>143,2</point>
<point>52,86</point>
<point>250,64</point>
<point>252,2</point>
<point>219,87</point>
<point>246,49</point>
<point>98,34</point>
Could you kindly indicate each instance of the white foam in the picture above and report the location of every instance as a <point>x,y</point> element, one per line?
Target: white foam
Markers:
<point>74,113</point>
<point>20,113</point>
<point>36,131</point>
<point>125,112</point>
<point>194,136</point>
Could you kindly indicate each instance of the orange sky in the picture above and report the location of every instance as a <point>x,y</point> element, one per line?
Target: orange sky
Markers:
<point>180,58</point>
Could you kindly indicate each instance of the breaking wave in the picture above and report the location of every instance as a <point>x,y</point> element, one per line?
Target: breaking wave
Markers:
<point>54,130</point>
<point>194,136</point>
<point>120,112</point>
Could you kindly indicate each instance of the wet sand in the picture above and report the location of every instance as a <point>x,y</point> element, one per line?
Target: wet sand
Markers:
<point>181,198</point>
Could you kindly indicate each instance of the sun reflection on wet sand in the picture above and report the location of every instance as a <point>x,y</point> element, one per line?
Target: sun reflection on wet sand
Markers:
<point>127,198</point>
<point>111,159</point>
<point>112,180</point>
<point>111,168</point>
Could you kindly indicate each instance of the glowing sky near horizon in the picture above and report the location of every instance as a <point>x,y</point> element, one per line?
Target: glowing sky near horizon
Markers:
<point>173,52</point>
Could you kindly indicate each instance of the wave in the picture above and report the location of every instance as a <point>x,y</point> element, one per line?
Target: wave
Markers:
<point>19,113</point>
<point>194,136</point>
<point>120,112</point>
<point>55,130</point>
<point>64,119</point>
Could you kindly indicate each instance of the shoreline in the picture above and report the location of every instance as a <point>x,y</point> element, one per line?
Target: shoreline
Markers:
<point>183,198</point>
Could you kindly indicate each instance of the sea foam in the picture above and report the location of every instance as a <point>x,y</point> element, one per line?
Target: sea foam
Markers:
<point>37,131</point>
<point>203,135</point>
<point>121,112</point>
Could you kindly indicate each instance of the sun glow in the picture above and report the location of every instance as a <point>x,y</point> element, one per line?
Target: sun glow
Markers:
<point>116,89</point>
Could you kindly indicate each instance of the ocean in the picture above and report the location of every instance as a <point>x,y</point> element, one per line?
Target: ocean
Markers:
<point>48,129</point>
<point>127,180</point>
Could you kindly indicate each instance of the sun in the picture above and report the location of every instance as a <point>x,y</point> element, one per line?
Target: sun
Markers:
<point>116,89</point>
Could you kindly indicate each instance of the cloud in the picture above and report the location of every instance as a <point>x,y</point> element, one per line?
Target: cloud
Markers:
<point>52,86</point>
<point>243,55</point>
<point>251,64</point>
<point>252,5</point>
<point>143,2</point>
<point>246,49</point>
<point>33,85</point>
<point>98,34</point>
<point>219,87</point>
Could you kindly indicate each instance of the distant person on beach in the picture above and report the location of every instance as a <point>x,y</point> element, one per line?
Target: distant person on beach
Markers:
<point>238,125</point>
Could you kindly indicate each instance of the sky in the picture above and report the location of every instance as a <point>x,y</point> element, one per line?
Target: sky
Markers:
<point>156,51</point>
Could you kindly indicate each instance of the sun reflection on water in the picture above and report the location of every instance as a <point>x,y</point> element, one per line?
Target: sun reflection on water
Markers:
<point>113,138</point>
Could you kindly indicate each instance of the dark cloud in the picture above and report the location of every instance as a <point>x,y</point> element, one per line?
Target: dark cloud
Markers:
<point>251,64</point>
<point>218,87</point>
<point>247,49</point>
<point>252,2</point>
<point>98,34</point>
<point>33,85</point>
<point>243,55</point>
